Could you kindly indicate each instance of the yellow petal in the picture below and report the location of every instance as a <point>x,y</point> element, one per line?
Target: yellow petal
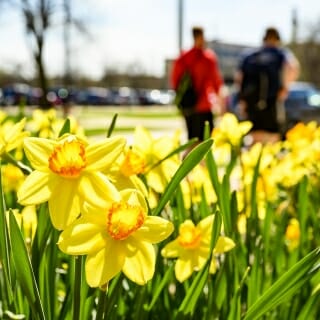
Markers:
<point>205,225</point>
<point>196,257</point>
<point>64,204</point>
<point>154,229</point>
<point>140,266</point>
<point>213,266</point>
<point>171,250</point>
<point>142,139</point>
<point>224,244</point>
<point>96,189</point>
<point>102,154</point>
<point>82,237</point>
<point>135,198</point>
<point>38,151</point>
<point>37,188</point>
<point>156,179</point>
<point>183,269</point>
<point>103,265</point>
<point>245,127</point>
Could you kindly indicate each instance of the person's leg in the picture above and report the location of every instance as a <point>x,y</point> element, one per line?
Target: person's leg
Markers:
<point>199,124</point>
<point>189,125</point>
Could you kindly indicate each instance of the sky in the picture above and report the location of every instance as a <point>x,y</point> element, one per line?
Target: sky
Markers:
<point>141,34</point>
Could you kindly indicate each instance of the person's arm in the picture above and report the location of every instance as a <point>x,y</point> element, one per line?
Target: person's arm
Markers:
<point>218,87</point>
<point>291,72</point>
<point>292,68</point>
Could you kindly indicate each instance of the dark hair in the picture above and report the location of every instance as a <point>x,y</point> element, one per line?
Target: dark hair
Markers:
<point>197,31</point>
<point>271,33</point>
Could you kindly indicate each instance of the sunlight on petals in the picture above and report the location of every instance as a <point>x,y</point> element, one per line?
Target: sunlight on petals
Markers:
<point>65,201</point>
<point>38,151</point>
<point>83,237</point>
<point>154,229</point>
<point>101,155</point>
<point>104,265</point>
<point>97,189</point>
<point>183,269</point>
<point>37,188</point>
<point>140,267</point>
<point>171,250</point>
<point>223,244</point>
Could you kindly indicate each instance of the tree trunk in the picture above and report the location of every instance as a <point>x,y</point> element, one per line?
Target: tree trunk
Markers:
<point>42,77</point>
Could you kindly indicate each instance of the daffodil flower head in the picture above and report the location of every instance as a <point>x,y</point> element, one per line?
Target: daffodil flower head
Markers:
<point>68,159</point>
<point>12,135</point>
<point>116,238</point>
<point>47,124</point>
<point>292,234</point>
<point>27,221</point>
<point>153,150</point>
<point>12,177</point>
<point>192,247</point>
<point>224,134</point>
<point>133,163</point>
<point>68,173</point>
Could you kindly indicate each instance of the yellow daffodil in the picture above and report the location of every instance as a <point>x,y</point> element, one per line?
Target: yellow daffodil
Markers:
<point>124,172</point>
<point>11,135</point>
<point>12,177</point>
<point>27,220</point>
<point>68,173</point>
<point>145,155</point>
<point>116,238</point>
<point>47,124</point>
<point>230,130</point>
<point>193,184</point>
<point>192,248</point>
<point>292,234</point>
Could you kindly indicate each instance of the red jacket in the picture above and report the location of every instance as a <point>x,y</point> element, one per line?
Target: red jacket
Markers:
<point>203,67</point>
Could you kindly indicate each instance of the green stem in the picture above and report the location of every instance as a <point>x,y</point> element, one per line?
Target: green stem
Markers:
<point>101,305</point>
<point>77,288</point>
<point>9,158</point>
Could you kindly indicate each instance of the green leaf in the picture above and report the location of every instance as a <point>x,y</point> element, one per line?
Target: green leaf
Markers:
<point>5,249</point>
<point>189,302</point>
<point>156,293</point>
<point>65,128</point>
<point>190,161</point>
<point>113,123</point>
<point>177,150</point>
<point>23,268</point>
<point>310,308</point>
<point>216,228</point>
<point>286,285</point>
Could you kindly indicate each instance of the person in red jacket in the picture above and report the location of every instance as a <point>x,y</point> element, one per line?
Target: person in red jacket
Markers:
<point>202,64</point>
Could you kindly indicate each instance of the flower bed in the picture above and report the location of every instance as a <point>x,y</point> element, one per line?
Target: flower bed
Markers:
<point>107,230</point>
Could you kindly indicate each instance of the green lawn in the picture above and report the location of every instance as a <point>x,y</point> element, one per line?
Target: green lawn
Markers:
<point>128,111</point>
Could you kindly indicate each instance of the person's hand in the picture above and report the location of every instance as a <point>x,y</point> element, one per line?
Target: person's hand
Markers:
<point>242,109</point>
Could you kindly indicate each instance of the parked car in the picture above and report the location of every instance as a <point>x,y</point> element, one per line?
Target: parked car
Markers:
<point>96,96</point>
<point>16,93</point>
<point>302,104</point>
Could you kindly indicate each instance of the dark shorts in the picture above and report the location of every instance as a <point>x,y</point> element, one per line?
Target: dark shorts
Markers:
<point>265,119</point>
<point>196,122</point>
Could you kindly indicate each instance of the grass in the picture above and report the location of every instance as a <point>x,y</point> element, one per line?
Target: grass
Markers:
<point>128,111</point>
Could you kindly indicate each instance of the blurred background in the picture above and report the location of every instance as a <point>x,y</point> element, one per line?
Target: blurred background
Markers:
<point>119,52</point>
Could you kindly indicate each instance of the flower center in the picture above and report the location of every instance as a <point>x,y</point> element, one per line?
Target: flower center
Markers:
<point>132,164</point>
<point>68,159</point>
<point>189,236</point>
<point>123,219</point>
